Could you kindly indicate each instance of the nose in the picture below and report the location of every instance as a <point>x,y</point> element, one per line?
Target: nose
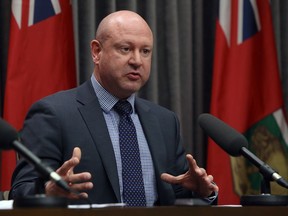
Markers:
<point>135,58</point>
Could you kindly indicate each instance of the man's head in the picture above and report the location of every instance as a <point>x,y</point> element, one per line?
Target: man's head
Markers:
<point>122,53</point>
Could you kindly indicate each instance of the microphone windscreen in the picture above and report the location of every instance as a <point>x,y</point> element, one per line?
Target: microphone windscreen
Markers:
<point>7,135</point>
<point>225,136</point>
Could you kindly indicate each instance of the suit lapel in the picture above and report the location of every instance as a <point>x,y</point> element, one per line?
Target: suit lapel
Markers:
<point>94,119</point>
<point>157,146</point>
<point>153,135</point>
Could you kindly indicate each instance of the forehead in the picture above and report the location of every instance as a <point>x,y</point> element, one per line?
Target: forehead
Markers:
<point>132,38</point>
<point>133,31</point>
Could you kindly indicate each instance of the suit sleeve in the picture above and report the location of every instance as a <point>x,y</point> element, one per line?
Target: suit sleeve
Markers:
<point>40,134</point>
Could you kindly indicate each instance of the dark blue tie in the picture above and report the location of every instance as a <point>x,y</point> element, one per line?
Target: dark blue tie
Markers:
<point>133,186</point>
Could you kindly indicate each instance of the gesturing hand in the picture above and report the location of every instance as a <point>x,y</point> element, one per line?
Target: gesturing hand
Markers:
<point>195,179</point>
<point>77,182</point>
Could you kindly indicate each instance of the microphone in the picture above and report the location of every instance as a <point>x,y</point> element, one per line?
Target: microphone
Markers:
<point>235,144</point>
<point>9,140</point>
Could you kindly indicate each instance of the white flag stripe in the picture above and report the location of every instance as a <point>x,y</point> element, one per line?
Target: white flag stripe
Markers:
<point>16,8</point>
<point>240,22</point>
<point>225,19</point>
<point>256,13</point>
<point>280,119</point>
<point>31,12</point>
<point>240,18</point>
<point>56,6</point>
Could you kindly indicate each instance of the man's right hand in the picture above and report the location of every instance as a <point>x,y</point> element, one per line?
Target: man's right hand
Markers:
<point>77,182</point>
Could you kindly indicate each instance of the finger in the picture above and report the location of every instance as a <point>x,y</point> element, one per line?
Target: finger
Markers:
<point>212,184</point>
<point>210,178</point>
<point>82,186</point>
<point>77,196</point>
<point>215,188</point>
<point>171,179</point>
<point>83,195</point>
<point>77,153</point>
<point>67,166</point>
<point>194,168</point>
<point>80,177</point>
<point>206,180</point>
<point>201,172</point>
<point>192,162</point>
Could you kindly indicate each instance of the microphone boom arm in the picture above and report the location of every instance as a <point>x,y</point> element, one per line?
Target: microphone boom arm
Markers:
<point>267,172</point>
<point>45,171</point>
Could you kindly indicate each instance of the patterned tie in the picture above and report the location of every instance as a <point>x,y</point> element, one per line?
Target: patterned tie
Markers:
<point>133,186</point>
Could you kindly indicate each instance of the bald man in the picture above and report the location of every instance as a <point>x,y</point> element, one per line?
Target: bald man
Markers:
<point>76,131</point>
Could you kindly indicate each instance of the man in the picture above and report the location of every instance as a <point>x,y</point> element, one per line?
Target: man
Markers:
<point>83,122</point>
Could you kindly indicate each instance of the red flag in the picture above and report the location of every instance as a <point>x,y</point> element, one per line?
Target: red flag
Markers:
<point>246,94</point>
<point>41,61</point>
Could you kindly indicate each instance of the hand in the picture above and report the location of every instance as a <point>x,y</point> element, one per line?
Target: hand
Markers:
<point>77,182</point>
<point>195,179</point>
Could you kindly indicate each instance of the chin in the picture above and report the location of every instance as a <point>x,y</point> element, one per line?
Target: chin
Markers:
<point>128,92</point>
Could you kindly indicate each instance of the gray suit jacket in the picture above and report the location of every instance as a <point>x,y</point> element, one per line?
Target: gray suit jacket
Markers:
<point>58,123</point>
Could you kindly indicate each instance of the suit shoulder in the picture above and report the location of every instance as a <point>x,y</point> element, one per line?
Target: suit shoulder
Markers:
<point>153,106</point>
<point>59,97</point>
<point>82,92</point>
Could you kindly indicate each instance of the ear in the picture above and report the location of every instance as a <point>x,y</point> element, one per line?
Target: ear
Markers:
<point>95,50</point>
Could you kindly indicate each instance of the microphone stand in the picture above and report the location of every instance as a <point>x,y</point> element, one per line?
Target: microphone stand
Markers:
<point>9,139</point>
<point>225,136</point>
<point>40,200</point>
<point>265,198</point>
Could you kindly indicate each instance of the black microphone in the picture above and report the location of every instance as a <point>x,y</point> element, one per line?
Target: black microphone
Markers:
<point>235,144</point>
<point>9,140</point>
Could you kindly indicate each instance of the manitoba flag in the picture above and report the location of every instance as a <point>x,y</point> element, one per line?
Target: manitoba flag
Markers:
<point>41,61</point>
<point>246,94</point>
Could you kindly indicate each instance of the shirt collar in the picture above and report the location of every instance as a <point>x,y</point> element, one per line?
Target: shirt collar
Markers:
<point>107,100</point>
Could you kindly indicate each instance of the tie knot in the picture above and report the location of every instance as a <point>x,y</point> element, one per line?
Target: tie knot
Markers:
<point>123,107</point>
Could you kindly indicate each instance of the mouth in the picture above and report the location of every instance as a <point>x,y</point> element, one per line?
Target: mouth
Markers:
<point>134,76</point>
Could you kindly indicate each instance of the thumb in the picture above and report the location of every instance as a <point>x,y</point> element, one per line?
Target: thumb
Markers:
<point>169,178</point>
<point>77,153</point>
<point>68,166</point>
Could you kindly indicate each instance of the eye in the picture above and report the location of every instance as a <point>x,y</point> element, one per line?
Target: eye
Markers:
<point>125,49</point>
<point>146,52</point>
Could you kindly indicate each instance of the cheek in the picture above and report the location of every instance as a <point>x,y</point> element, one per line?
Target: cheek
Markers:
<point>106,65</point>
<point>147,68</point>
<point>146,75</point>
<point>114,62</point>
<point>109,72</point>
